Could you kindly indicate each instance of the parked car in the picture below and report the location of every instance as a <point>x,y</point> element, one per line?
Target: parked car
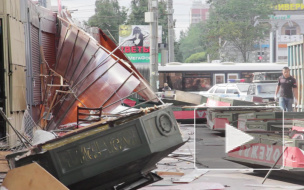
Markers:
<point>264,90</point>
<point>235,90</point>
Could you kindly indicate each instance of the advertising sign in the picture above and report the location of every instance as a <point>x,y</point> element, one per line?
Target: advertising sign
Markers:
<point>141,57</point>
<point>137,35</point>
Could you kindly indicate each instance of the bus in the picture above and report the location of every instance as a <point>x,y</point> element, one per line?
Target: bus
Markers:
<point>266,76</point>
<point>202,76</point>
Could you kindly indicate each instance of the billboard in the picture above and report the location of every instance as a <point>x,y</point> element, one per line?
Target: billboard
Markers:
<point>141,57</point>
<point>137,35</point>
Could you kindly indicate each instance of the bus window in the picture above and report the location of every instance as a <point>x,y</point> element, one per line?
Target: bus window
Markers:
<point>232,76</point>
<point>174,80</point>
<point>270,76</point>
<point>219,78</point>
<point>197,84</point>
<point>248,76</point>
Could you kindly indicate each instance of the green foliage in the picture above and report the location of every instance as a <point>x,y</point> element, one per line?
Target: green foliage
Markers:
<point>193,40</point>
<point>235,21</point>
<point>108,16</point>
<point>197,58</point>
<point>177,53</point>
<point>137,15</point>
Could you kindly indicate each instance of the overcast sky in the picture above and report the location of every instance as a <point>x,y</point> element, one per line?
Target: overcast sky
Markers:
<point>86,9</point>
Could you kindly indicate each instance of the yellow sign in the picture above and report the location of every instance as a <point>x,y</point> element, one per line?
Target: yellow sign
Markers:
<point>289,7</point>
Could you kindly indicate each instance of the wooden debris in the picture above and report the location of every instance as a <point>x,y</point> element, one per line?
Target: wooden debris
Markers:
<point>33,177</point>
<point>3,162</point>
<point>169,173</point>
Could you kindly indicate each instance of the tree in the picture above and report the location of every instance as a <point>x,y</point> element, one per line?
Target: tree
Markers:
<point>192,41</point>
<point>137,12</point>
<point>197,58</point>
<point>108,16</point>
<point>177,53</point>
<point>234,22</point>
<point>137,15</point>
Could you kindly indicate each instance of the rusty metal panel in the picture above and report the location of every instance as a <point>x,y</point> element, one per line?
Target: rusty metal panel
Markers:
<point>35,54</point>
<point>48,41</point>
<point>17,42</point>
<point>95,77</point>
<point>18,88</point>
<point>47,20</point>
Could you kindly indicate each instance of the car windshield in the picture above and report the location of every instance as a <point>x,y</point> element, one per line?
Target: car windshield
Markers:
<point>243,87</point>
<point>266,88</point>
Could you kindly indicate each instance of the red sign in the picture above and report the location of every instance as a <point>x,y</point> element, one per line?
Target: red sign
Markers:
<point>258,152</point>
<point>135,49</point>
<point>211,102</point>
<point>267,155</point>
<point>189,114</point>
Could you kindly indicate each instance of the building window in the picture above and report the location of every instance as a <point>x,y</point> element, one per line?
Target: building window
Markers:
<point>290,31</point>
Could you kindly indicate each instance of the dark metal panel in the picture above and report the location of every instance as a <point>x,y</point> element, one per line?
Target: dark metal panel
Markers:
<point>36,81</point>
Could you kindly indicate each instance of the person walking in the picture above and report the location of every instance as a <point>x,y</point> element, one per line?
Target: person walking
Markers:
<point>287,89</point>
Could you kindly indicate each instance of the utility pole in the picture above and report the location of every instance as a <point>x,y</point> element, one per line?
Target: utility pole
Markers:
<point>170,31</point>
<point>152,18</point>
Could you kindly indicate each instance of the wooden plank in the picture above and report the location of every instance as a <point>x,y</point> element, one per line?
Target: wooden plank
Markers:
<point>32,177</point>
<point>4,168</point>
<point>191,176</point>
<point>169,173</point>
<point>4,153</point>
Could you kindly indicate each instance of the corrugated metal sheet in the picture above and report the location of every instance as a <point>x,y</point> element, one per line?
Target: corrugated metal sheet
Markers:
<point>17,43</point>
<point>18,88</point>
<point>296,65</point>
<point>35,54</point>
<point>97,79</point>
<point>13,8</point>
<point>49,48</point>
<point>48,43</point>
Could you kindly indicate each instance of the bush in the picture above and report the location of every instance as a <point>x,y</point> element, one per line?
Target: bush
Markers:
<point>197,58</point>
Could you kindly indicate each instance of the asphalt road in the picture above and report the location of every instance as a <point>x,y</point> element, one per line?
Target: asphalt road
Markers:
<point>210,150</point>
<point>214,175</point>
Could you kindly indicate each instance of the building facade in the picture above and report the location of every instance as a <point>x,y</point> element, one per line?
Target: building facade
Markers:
<point>198,12</point>
<point>286,26</point>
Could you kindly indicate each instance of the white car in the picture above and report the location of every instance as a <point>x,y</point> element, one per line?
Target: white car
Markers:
<point>264,90</point>
<point>235,90</point>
